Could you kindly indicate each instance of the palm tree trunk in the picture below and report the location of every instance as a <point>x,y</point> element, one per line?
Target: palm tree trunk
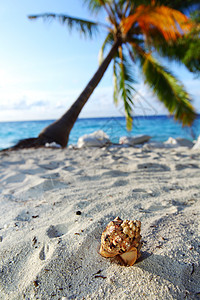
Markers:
<point>59,130</point>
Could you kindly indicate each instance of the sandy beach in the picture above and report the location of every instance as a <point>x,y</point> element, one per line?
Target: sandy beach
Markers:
<point>55,204</point>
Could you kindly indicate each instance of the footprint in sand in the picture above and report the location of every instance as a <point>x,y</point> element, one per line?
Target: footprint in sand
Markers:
<point>56,231</point>
<point>23,216</point>
<point>180,205</point>
<point>44,252</point>
<point>138,190</point>
<point>190,278</point>
<point>17,177</point>
<point>82,204</point>
<point>7,163</point>
<point>153,167</point>
<point>180,167</point>
<point>142,156</point>
<point>51,176</point>
<point>51,166</point>
<point>68,168</point>
<point>48,184</point>
<point>120,183</point>
<point>73,162</point>
<point>115,173</point>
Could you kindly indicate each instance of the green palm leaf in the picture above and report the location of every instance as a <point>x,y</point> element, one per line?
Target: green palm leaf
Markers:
<point>107,5</point>
<point>115,82</point>
<point>95,5</point>
<point>123,85</point>
<point>108,41</point>
<point>88,28</point>
<point>191,57</point>
<point>184,50</point>
<point>168,89</point>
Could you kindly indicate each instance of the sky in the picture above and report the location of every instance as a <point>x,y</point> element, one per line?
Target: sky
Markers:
<point>44,68</point>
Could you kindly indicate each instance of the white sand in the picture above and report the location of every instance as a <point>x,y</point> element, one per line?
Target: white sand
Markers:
<point>47,251</point>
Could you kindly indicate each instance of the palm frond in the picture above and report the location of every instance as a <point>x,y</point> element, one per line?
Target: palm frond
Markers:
<point>95,5</point>
<point>88,28</point>
<point>115,82</point>
<point>108,41</point>
<point>124,80</point>
<point>168,89</point>
<point>185,50</point>
<point>134,3</point>
<point>98,5</point>
<point>195,15</point>
<point>171,23</point>
<point>191,57</point>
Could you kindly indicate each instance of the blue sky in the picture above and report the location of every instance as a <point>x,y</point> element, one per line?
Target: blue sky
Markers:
<point>43,67</point>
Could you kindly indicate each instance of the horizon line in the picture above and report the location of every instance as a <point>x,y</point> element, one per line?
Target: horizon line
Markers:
<point>86,118</point>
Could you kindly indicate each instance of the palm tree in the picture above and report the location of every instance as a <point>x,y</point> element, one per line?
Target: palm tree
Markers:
<point>138,33</point>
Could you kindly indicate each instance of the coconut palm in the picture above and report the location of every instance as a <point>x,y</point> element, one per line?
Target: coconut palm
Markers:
<point>138,34</point>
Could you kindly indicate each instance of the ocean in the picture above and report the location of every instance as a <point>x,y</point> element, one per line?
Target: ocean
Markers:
<point>160,128</point>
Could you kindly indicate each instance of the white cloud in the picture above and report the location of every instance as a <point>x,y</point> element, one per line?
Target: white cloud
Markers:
<point>36,104</point>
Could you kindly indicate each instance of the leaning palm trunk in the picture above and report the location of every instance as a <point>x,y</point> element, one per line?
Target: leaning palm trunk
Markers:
<point>59,130</point>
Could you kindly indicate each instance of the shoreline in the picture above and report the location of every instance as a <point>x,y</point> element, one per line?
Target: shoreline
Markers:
<point>160,128</point>
<point>49,251</point>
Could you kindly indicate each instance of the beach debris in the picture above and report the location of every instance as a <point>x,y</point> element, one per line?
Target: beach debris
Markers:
<point>192,271</point>
<point>77,268</point>
<point>78,212</point>
<point>36,283</point>
<point>96,139</point>
<point>35,216</point>
<point>98,272</point>
<point>34,240</point>
<point>100,276</point>
<point>122,239</point>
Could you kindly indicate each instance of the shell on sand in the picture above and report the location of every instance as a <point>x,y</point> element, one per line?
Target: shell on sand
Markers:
<point>122,239</point>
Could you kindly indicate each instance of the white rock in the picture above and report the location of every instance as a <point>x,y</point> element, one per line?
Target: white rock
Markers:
<point>185,142</point>
<point>154,145</point>
<point>197,144</point>
<point>96,139</point>
<point>179,142</point>
<point>171,141</point>
<point>72,146</point>
<point>52,145</point>
<point>134,140</point>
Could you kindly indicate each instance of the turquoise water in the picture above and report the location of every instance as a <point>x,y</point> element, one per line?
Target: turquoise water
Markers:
<point>159,127</point>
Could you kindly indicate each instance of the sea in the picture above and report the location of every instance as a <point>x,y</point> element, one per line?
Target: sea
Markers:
<point>160,128</point>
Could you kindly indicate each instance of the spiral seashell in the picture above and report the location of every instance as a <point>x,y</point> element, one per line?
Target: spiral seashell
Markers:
<point>123,240</point>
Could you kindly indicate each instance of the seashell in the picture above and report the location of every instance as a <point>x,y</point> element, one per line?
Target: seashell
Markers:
<point>122,239</point>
